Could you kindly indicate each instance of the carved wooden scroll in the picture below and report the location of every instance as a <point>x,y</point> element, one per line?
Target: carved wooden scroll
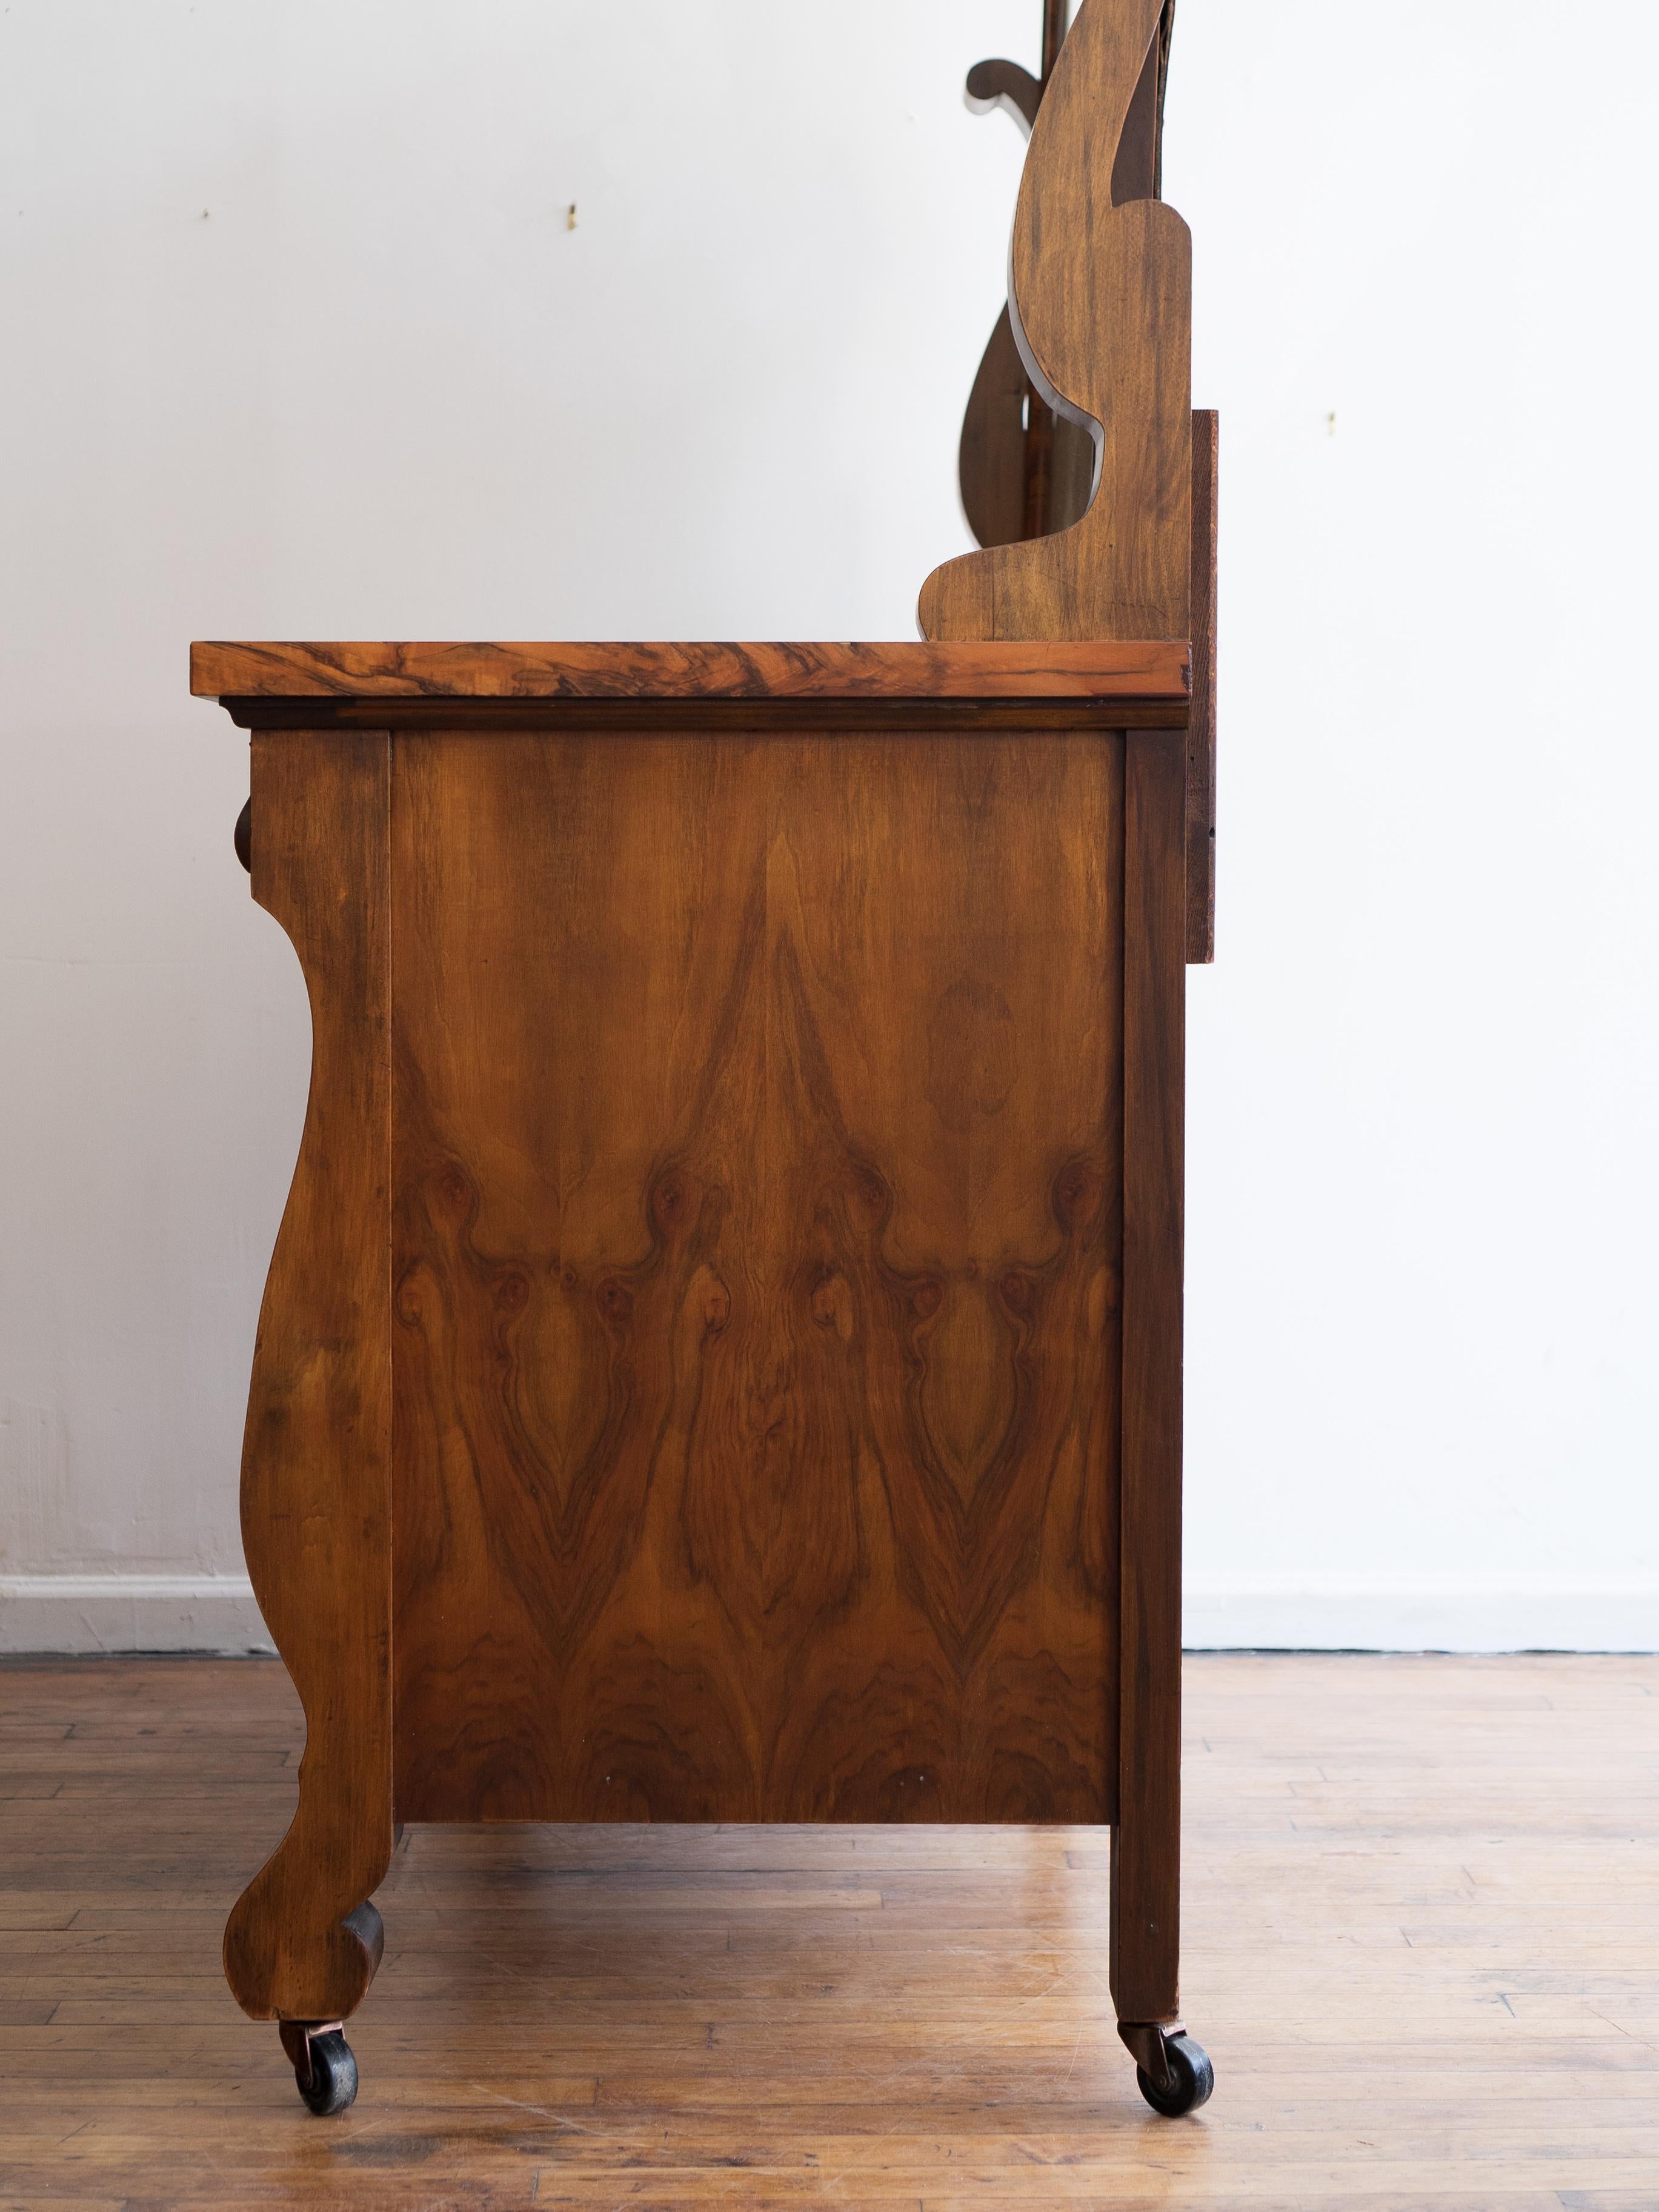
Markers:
<point>1023,469</point>
<point>1099,312</point>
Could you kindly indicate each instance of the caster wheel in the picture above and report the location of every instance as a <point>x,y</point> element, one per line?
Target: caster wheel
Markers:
<point>325,2071</point>
<point>1191,2078</point>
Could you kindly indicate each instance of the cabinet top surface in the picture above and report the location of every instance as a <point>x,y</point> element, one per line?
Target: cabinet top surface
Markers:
<point>1150,668</point>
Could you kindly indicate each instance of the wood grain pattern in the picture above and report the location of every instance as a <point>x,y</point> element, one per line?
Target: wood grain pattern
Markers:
<point>1422,1944</point>
<point>1024,471</point>
<point>1201,728</point>
<point>1139,666</point>
<point>1056,22</point>
<point>1101,310</point>
<point>1146,1850</point>
<point>316,1524</point>
<point>1138,165</point>
<point>756,1250</point>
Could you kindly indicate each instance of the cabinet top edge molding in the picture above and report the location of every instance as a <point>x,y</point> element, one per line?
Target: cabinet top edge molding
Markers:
<point>1149,668</point>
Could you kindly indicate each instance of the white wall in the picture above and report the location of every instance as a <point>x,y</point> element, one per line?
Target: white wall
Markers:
<point>300,345</point>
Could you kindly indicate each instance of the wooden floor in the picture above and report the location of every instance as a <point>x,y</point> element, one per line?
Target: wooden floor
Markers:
<point>1422,1950</point>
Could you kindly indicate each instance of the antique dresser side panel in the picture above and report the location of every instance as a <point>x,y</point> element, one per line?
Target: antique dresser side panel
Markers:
<point>758,1162</point>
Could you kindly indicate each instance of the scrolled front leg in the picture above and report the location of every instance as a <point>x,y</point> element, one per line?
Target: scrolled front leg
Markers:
<point>301,1946</point>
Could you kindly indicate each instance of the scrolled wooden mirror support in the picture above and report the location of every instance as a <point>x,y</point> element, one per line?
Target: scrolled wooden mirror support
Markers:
<point>1081,470</point>
<point>722,1358</point>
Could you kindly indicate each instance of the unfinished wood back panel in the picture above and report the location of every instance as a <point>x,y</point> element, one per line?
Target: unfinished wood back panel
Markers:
<point>758,1231</point>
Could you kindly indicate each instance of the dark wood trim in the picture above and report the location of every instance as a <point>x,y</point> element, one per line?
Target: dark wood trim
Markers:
<point>1056,21</point>
<point>1201,724</point>
<point>1146,1841</point>
<point>1137,165</point>
<point>1152,669</point>
<point>619,718</point>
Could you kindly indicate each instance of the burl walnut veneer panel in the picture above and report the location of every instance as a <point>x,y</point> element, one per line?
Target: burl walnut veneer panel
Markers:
<point>757,1167</point>
<point>1144,668</point>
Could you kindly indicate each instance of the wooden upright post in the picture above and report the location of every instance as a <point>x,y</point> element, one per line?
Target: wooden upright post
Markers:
<point>1146,1923</point>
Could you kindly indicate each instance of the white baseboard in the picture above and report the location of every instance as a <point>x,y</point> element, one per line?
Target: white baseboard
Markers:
<point>129,1613</point>
<point>1424,1613</point>
<point>1223,1613</point>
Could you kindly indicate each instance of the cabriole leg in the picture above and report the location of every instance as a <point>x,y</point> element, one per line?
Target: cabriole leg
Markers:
<point>302,1944</point>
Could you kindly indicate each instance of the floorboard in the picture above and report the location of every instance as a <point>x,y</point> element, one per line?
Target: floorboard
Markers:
<point>1422,1912</point>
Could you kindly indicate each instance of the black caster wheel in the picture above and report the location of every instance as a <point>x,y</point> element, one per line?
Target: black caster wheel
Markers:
<point>323,2066</point>
<point>1189,2078</point>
